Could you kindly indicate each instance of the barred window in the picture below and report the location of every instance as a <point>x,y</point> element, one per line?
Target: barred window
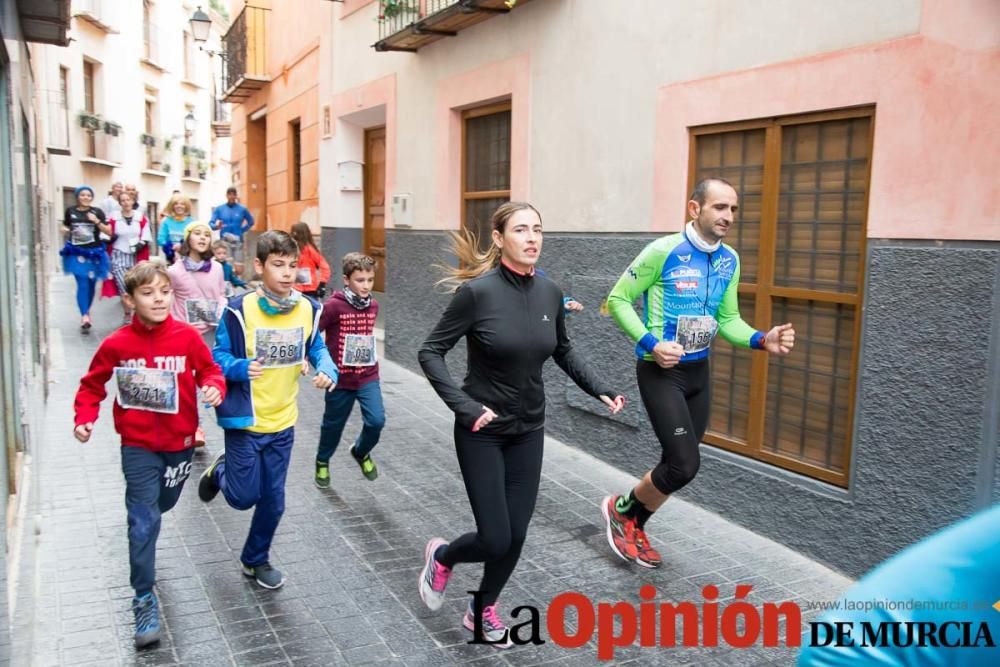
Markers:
<point>800,234</point>
<point>485,166</point>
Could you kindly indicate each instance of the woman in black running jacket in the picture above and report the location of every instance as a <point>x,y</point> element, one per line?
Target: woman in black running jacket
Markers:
<point>513,320</point>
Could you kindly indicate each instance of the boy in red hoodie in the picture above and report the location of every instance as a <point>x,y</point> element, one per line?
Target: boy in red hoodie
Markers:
<point>157,363</point>
<point>348,321</point>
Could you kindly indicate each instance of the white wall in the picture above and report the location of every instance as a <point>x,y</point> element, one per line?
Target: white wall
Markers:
<point>595,68</point>
<point>120,90</point>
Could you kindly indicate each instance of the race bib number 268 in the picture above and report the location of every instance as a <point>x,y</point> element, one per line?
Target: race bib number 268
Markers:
<point>280,347</point>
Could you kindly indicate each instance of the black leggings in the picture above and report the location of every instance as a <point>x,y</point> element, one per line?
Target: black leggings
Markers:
<point>501,475</point>
<point>677,400</point>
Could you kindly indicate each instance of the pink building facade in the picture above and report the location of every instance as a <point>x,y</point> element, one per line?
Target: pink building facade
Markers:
<point>861,137</point>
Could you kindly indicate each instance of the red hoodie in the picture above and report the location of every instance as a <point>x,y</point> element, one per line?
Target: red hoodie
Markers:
<point>171,345</point>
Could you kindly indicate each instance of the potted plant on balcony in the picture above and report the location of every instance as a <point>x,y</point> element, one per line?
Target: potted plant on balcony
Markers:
<point>147,140</point>
<point>90,120</point>
<point>112,128</point>
<point>202,169</point>
<point>167,143</point>
<point>389,9</point>
<point>165,167</point>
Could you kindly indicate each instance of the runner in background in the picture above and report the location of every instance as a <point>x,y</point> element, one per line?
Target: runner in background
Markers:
<point>172,227</point>
<point>314,271</point>
<point>110,204</point>
<point>128,245</point>
<point>232,220</point>
<point>199,288</point>
<point>688,282</point>
<point>84,255</point>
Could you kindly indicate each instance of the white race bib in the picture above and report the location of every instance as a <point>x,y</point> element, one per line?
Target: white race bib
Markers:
<point>695,332</point>
<point>359,351</point>
<point>280,347</point>
<point>151,389</point>
<point>81,233</point>
<point>202,311</point>
<point>303,276</point>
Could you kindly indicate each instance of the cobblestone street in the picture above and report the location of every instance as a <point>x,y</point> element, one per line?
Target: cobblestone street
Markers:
<point>351,554</point>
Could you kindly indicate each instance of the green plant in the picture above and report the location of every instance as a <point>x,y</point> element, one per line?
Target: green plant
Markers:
<point>165,167</point>
<point>89,120</point>
<point>193,152</point>
<point>202,168</point>
<point>147,140</point>
<point>392,8</point>
<point>167,143</point>
<point>112,128</point>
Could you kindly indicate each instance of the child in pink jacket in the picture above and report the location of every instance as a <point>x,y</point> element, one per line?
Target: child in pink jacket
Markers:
<point>199,288</point>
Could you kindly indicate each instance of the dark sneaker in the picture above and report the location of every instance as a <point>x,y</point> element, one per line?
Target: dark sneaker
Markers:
<point>645,555</point>
<point>322,478</point>
<point>368,467</point>
<point>434,577</point>
<point>146,610</point>
<point>265,575</point>
<point>494,629</point>
<point>207,487</point>
<point>620,530</point>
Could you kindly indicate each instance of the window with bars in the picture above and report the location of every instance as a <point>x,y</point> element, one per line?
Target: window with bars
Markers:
<point>150,126</point>
<point>90,104</point>
<point>800,234</point>
<point>485,166</point>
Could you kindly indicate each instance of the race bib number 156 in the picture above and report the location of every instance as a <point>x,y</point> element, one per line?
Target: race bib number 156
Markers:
<point>695,332</point>
<point>280,347</point>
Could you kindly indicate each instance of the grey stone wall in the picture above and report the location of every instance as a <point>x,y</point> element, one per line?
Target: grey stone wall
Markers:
<point>926,432</point>
<point>337,242</point>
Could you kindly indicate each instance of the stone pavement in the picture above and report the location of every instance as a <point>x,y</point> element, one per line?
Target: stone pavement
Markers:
<point>352,553</point>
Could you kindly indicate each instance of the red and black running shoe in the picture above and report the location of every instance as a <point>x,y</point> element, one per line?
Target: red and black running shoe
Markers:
<point>620,530</point>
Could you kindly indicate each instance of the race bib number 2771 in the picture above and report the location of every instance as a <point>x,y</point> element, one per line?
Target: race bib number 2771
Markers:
<point>279,347</point>
<point>151,389</point>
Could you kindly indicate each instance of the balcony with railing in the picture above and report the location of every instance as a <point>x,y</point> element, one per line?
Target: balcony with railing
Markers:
<point>221,119</point>
<point>408,25</point>
<point>245,46</point>
<point>98,13</point>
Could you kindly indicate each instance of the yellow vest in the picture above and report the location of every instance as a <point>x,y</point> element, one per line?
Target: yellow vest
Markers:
<point>283,345</point>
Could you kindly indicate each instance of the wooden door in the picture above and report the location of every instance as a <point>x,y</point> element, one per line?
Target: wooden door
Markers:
<point>374,185</point>
<point>255,196</point>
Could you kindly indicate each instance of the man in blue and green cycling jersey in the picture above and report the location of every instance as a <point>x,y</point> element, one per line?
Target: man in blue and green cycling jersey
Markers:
<point>689,283</point>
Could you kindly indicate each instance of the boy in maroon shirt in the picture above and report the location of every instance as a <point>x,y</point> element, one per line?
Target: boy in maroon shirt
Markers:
<point>157,363</point>
<point>348,322</point>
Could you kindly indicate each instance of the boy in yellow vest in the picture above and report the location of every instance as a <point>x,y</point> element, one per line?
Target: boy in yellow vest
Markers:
<point>261,342</point>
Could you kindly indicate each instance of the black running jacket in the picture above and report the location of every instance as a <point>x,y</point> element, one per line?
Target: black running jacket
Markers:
<point>512,324</point>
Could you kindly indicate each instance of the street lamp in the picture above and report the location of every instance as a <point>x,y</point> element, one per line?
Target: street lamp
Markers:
<point>201,26</point>
<point>190,123</point>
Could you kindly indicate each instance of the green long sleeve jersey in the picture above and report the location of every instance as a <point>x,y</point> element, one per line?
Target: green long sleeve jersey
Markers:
<point>688,296</point>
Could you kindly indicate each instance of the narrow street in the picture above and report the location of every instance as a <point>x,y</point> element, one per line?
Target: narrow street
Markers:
<point>351,554</point>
